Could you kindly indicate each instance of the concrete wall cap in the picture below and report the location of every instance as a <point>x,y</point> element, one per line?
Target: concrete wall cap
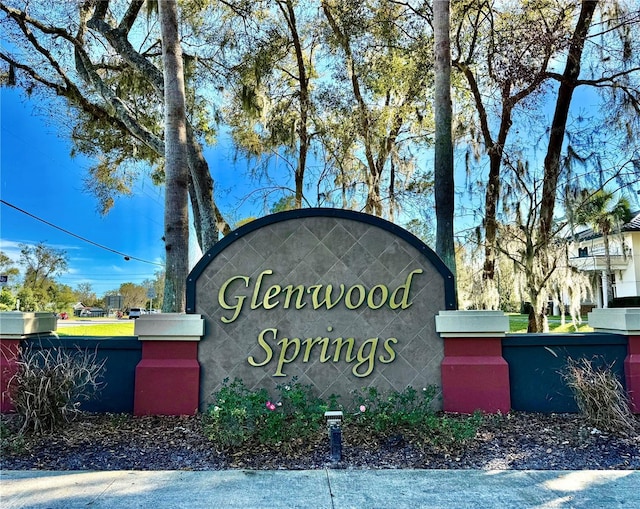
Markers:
<point>169,327</point>
<point>616,320</point>
<point>19,323</point>
<point>472,323</point>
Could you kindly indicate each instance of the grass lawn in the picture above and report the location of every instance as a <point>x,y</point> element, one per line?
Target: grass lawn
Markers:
<point>517,323</point>
<point>121,328</point>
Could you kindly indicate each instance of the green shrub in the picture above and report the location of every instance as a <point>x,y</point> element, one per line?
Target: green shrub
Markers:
<point>395,409</point>
<point>10,440</point>
<point>49,385</point>
<point>409,413</point>
<point>240,415</point>
<point>452,429</point>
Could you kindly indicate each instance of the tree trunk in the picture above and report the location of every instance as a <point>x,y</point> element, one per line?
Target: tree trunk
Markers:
<point>176,212</point>
<point>495,150</point>
<point>303,84</point>
<point>537,312</point>
<point>536,320</point>
<point>559,123</point>
<point>208,220</point>
<point>373,204</point>
<point>443,170</point>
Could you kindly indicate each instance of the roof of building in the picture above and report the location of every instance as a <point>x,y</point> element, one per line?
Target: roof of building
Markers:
<point>632,226</point>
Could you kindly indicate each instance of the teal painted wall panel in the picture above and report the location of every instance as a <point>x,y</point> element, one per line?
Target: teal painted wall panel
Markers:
<point>122,355</point>
<point>537,362</point>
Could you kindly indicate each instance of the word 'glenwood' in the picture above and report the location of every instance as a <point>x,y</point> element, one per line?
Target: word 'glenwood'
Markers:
<point>321,295</point>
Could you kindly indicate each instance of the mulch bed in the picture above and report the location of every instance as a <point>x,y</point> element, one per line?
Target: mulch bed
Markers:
<point>517,441</point>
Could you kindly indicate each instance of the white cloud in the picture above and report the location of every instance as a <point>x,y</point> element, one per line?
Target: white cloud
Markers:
<point>11,249</point>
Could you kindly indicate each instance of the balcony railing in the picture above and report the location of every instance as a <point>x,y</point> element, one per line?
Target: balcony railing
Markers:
<point>598,262</point>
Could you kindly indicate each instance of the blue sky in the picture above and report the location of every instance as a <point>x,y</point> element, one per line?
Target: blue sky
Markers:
<point>38,175</point>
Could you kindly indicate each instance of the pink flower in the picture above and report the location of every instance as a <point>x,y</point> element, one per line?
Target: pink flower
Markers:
<point>363,408</point>
<point>270,406</point>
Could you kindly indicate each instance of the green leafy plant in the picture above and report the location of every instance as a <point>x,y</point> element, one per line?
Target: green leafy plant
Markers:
<point>49,385</point>
<point>384,411</point>
<point>408,416</point>
<point>10,440</point>
<point>451,430</point>
<point>600,396</point>
<point>240,415</point>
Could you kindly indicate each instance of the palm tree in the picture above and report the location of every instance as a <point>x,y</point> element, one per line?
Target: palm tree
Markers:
<point>176,215</point>
<point>605,216</point>
<point>443,169</point>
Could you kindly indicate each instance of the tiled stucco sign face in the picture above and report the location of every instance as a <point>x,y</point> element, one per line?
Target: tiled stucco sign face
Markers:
<point>338,299</point>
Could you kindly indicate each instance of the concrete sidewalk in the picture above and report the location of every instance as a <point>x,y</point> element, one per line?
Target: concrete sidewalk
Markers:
<point>320,489</point>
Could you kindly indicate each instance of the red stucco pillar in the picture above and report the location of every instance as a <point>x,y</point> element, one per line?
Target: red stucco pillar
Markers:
<point>15,326</point>
<point>9,356</point>
<point>168,375</point>
<point>632,373</point>
<point>475,376</point>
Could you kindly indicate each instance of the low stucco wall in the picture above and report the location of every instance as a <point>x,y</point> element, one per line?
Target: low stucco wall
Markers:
<point>121,356</point>
<point>538,362</point>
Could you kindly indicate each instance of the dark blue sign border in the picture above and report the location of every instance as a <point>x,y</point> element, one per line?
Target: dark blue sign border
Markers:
<point>436,261</point>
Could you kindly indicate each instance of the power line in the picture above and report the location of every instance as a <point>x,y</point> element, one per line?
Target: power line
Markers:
<point>126,256</point>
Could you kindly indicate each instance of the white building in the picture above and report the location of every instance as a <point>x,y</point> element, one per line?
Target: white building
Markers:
<point>588,254</point>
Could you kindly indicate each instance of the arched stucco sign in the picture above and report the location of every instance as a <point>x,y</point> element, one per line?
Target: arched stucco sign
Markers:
<point>336,298</point>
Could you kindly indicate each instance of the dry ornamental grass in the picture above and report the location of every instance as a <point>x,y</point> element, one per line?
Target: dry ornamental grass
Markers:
<point>50,384</point>
<point>600,396</point>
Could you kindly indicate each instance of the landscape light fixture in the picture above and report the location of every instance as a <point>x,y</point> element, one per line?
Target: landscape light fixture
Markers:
<point>333,417</point>
<point>334,420</point>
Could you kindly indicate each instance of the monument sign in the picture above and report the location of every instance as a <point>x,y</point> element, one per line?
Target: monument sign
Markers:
<point>338,299</point>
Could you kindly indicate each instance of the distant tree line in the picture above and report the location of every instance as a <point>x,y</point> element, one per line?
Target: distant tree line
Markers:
<point>33,284</point>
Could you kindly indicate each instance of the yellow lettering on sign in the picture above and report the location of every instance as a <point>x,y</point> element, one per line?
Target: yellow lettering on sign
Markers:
<point>314,290</point>
<point>322,296</point>
<point>271,293</point>
<point>404,290</point>
<point>339,343</point>
<point>309,343</point>
<point>265,346</point>
<point>384,295</point>
<point>287,350</point>
<point>366,355</point>
<point>362,295</point>
<point>390,351</point>
<point>289,290</point>
<point>256,291</point>
<point>285,343</point>
<point>237,307</point>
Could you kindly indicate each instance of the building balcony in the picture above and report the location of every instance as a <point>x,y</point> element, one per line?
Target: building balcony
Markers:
<point>598,262</point>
